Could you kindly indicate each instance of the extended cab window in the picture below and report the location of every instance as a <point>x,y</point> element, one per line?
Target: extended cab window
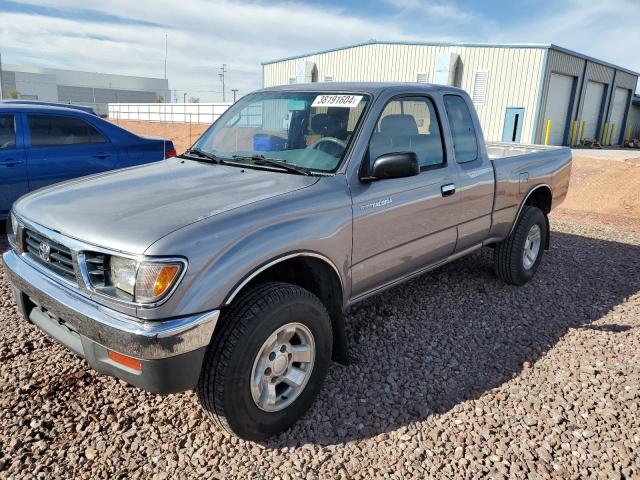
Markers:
<point>409,124</point>
<point>51,130</point>
<point>7,132</point>
<point>462,129</point>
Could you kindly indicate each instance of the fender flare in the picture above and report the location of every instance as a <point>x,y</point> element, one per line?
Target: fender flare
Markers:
<point>274,261</point>
<point>524,201</point>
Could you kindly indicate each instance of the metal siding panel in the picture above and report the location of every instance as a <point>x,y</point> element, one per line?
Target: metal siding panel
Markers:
<point>513,74</point>
<point>626,80</point>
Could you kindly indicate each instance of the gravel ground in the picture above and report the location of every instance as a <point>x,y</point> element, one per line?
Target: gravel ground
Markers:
<point>455,375</point>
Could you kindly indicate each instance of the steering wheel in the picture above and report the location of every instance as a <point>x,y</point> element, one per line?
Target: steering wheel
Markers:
<point>331,141</point>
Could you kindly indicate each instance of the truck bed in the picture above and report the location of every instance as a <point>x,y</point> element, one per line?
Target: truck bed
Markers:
<point>518,169</point>
<point>497,150</point>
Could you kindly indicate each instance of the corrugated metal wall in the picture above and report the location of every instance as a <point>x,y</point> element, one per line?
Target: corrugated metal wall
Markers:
<point>514,74</point>
<point>583,70</point>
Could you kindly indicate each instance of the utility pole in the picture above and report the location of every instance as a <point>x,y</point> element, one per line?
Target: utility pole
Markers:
<point>184,97</point>
<point>235,91</point>
<point>223,70</point>
<point>165,55</point>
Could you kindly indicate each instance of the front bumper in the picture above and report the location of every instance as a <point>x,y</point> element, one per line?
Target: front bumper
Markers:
<point>170,351</point>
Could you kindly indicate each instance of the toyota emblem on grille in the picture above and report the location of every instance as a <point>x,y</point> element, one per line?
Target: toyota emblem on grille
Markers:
<point>44,250</point>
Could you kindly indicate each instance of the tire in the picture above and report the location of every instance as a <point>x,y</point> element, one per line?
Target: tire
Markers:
<point>225,385</point>
<point>509,262</point>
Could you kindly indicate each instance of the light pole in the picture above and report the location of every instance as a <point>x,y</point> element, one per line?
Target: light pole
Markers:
<point>184,97</point>
<point>223,70</point>
<point>235,91</point>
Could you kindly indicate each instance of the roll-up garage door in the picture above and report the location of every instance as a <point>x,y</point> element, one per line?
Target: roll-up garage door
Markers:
<point>592,108</point>
<point>557,108</point>
<point>618,107</point>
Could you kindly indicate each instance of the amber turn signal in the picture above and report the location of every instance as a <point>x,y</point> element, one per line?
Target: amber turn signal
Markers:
<point>164,279</point>
<point>132,363</point>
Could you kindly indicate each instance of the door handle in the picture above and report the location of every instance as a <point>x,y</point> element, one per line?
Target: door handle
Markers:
<point>448,189</point>
<point>10,162</point>
<point>101,156</point>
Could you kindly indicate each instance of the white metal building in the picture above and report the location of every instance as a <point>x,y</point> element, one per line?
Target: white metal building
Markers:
<point>517,89</point>
<point>83,88</point>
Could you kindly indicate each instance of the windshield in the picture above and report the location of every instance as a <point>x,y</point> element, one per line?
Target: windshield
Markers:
<point>303,129</point>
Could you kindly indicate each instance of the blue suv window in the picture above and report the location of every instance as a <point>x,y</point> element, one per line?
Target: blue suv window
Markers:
<point>51,130</point>
<point>7,132</point>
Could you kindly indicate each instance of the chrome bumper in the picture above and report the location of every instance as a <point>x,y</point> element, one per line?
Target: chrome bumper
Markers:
<point>142,339</point>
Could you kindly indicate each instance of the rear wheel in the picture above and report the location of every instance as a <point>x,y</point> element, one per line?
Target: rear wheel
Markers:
<point>517,257</point>
<point>268,362</point>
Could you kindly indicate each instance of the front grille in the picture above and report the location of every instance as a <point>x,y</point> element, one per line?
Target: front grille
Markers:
<point>96,264</point>
<point>52,255</point>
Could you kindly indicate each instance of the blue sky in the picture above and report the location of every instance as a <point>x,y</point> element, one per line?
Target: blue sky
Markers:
<point>127,36</point>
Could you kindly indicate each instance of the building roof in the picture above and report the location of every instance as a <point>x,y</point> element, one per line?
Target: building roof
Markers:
<point>456,44</point>
<point>360,87</point>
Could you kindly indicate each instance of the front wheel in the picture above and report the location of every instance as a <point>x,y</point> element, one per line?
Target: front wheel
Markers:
<point>517,257</point>
<point>268,362</point>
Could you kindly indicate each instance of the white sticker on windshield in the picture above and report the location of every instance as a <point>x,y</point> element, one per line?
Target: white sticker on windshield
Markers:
<point>346,101</point>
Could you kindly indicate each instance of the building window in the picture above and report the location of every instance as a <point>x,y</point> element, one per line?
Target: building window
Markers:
<point>328,78</point>
<point>479,87</point>
<point>422,77</point>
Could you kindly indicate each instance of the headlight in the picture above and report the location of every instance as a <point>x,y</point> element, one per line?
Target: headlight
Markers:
<point>12,229</point>
<point>123,274</point>
<point>145,281</point>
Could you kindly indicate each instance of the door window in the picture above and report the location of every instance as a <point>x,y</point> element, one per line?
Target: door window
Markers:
<point>7,132</point>
<point>51,130</point>
<point>462,129</point>
<point>409,124</point>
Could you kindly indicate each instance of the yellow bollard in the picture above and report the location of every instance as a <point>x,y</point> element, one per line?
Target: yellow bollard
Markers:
<point>613,129</point>
<point>627,137</point>
<point>547,132</point>
<point>603,134</point>
<point>574,132</point>
<point>584,131</point>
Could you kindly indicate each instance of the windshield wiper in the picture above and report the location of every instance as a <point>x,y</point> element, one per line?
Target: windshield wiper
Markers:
<point>203,154</point>
<point>273,162</point>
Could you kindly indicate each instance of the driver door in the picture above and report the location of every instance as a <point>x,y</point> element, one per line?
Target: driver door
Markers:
<point>403,225</point>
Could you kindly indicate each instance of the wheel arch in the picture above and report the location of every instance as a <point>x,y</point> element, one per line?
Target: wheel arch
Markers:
<point>541,197</point>
<point>311,271</point>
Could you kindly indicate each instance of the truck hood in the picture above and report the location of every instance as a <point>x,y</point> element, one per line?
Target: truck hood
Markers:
<point>129,209</point>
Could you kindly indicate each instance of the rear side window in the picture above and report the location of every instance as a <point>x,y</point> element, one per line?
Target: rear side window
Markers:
<point>51,130</point>
<point>409,124</point>
<point>462,129</point>
<point>7,132</point>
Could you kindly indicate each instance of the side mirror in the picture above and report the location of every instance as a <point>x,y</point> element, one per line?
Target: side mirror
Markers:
<point>393,165</point>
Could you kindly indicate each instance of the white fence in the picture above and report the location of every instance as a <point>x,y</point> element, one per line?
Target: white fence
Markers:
<point>168,112</point>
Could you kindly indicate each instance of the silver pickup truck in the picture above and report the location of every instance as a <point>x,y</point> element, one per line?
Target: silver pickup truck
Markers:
<point>229,269</point>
